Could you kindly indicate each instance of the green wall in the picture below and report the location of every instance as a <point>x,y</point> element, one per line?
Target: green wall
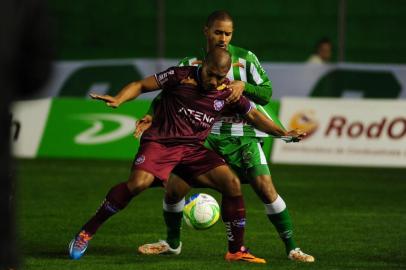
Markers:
<point>274,30</point>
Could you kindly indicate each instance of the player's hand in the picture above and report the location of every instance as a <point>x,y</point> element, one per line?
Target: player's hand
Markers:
<point>109,100</point>
<point>237,88</point>
<point>142,125</point>
<point>295,135</point>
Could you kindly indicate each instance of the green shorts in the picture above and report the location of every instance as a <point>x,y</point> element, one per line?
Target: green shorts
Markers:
<point>244,154</point>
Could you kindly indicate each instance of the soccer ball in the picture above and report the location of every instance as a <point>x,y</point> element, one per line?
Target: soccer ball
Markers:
<point>201,211</point>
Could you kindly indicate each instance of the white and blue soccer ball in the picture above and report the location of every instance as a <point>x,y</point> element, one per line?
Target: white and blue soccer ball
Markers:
<point>201,211</point>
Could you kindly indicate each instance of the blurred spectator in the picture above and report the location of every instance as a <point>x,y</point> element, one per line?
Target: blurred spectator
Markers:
<point>25,58</point>
<point>322,52</point>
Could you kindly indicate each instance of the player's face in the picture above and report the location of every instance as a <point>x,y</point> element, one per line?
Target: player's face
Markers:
<point>219,34</point>
<point>325,51</point>
<point>212,77</point>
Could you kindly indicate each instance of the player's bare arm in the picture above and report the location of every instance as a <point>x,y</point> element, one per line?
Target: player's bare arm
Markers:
<point>263,123</point>
<point>129,92</point>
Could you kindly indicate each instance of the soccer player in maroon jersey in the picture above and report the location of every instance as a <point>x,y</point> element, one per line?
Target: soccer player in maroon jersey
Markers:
<point>193,99</point>
<point>238,143</point>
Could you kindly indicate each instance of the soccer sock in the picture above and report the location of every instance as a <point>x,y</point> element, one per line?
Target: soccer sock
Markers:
<point>279,216</point>
<point>233,215</point>
<point>173,219</point>
<point>117,199</point>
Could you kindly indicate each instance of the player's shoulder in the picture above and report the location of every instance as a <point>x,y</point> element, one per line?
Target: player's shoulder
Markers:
<point>237,51</point>
<point>184,67</point>
<point>223,94</point>
<point>243,102</point>
<point>242,53</point>
<point>176,74</point>
<point>185,71</point>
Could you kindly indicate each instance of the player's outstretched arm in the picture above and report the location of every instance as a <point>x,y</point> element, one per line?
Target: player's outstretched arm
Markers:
<point>129,92</point>
<point>263,123</point>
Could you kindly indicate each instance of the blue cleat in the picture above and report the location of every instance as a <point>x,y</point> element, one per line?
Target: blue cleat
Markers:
<point>78,245</point>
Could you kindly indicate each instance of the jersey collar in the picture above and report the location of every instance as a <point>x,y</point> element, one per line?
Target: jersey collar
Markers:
<point>198,75</point>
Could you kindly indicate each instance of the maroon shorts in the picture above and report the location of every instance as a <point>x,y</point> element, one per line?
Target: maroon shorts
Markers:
<point>185,160</point>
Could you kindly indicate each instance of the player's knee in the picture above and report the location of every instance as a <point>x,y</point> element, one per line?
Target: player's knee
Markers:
<point>138,182</point>
<point>136,186</point>
<point>265,189</point>
<point>233,187</point>
<point>176,189</point>
<point>172,197</point>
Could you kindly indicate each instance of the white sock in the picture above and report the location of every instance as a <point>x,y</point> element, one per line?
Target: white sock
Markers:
<point>275,207</point>
<point>174,208</point>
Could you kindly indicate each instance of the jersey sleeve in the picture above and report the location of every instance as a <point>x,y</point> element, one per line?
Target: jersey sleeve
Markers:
<point>151,109</point>
<point>258,86</point>
<point>167,78</point>
<point>242,106</point>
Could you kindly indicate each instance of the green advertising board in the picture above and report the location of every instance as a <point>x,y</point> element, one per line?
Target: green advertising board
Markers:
<point>80,128</point>
<point>90,129</point>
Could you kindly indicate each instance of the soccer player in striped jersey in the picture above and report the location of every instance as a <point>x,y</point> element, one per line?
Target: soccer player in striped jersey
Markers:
<point>236,140</point>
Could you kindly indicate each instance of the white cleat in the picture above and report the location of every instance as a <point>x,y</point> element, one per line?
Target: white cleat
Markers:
<point>160,247</point>
<point>298,255</point>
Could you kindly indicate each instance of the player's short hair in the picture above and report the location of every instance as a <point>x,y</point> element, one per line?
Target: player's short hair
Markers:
<point>322,41</point>
<point>218,15</point>
<point>218,57</point>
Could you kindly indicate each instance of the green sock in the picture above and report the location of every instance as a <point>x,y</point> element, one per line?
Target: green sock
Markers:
<point>283,225</point>
<point>173,223</point>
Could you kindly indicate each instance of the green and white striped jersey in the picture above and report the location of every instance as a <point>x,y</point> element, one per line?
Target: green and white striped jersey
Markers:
<point>258,88</point>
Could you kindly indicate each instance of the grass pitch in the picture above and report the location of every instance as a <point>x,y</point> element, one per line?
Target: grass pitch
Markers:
<point>348,218</point>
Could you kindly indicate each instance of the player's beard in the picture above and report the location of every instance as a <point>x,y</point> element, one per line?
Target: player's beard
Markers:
<point>222,45</point>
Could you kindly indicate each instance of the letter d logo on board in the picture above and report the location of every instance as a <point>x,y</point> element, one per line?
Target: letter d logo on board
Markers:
<point>79,128</point>
<point>93,134</point>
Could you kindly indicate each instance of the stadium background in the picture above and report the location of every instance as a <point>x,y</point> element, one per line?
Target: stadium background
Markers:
<point>284,31</point>
<point>348,217</point>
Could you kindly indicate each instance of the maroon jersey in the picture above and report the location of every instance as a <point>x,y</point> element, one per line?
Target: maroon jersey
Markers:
<point>186,111</point>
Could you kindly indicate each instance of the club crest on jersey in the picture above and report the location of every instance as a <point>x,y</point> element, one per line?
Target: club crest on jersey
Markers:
<point>140,160</point>
<point>218,104</point>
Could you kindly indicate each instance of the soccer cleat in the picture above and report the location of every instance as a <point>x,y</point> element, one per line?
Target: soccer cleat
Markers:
<point>243,255</point>
<point>160,247</point>
<point>78,245</point>
<point>298,255</point>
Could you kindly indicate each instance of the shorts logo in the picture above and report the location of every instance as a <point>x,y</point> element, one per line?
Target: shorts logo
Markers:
<point>247,157</point>
<point>140,160</point>
<point>218,104</point>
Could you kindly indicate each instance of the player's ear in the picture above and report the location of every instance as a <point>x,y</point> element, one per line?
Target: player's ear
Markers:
<point>206,31</point>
